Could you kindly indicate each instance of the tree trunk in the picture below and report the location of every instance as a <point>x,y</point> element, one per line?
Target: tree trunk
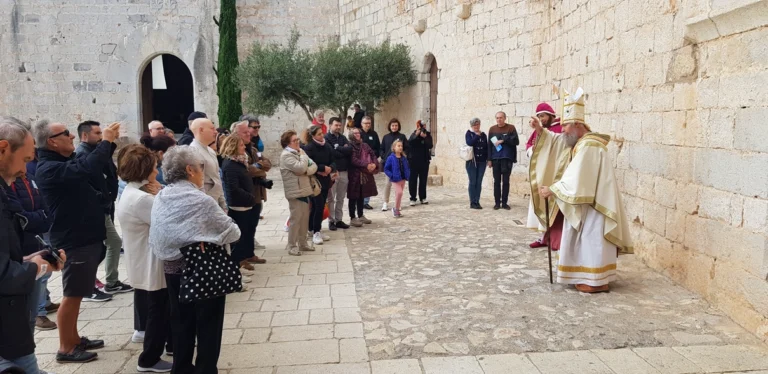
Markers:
<point>230,97</point>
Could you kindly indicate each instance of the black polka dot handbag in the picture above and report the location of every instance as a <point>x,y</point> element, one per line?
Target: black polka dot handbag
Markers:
<point>209,273</point>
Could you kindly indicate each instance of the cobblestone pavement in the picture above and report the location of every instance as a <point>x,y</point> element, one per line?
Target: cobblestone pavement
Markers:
<point>442,290</point>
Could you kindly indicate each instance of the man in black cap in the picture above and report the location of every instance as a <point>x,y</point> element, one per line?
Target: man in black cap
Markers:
<point>187,137</point>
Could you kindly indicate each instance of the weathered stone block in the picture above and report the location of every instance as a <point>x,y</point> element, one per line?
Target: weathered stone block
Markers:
<point>756,214</point>
<point>683,65</point>
<point>721,169</point>
<point>435,180</point>
<point>748,135</point>
<point>81,67</point>
<point>655,217</point>
<point>95,86</point>
<point>80,86</point>
<point>675,225</point>
<point>715,204</point>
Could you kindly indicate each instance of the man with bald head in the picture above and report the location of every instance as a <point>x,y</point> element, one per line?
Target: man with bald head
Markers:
<point>205,135</point>
<point>156,128</point>
<point>78,227</point>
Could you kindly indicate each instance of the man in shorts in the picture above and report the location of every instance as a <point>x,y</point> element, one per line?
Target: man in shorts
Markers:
<point>78,224</point>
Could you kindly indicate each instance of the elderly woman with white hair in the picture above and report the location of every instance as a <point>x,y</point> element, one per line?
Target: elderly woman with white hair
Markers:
<point>478,140</point>
<point>188,232</point>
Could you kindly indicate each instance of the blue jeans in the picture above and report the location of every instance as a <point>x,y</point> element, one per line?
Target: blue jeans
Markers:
<point>45,295</point>
<point>28,363</point>
<point>36,298</point>
<point>476,172</point>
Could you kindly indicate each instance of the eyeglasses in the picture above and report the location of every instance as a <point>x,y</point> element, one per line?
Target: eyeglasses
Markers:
<point>255,127</point>
<point>65,133</point>
<point>158,129</point>
<point>294,140</point>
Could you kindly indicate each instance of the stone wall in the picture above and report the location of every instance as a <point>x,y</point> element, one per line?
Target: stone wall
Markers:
<point>82,59</point>
<point>681,86</point>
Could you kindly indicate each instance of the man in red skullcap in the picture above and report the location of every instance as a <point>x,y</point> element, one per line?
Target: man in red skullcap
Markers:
<point>549,121</point>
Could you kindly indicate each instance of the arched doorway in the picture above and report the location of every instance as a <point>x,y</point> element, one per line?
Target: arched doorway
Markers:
<point>433,77</point>
<point>170,98</point>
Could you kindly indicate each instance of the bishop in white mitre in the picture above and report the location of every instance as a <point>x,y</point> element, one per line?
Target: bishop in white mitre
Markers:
<point>595,227</point>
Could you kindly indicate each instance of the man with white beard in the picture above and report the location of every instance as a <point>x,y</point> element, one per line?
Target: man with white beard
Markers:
<point>595,226</point>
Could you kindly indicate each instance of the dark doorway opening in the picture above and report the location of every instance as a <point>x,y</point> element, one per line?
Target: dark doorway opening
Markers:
<point>172,105</point>
<point>433,76</point>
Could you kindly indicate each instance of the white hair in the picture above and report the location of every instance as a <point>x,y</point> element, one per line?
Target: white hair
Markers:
<point>318,113</point>
<point>233,128</point>
<point>14,131</point>
<point>42,132</point>
<point>176,160</point>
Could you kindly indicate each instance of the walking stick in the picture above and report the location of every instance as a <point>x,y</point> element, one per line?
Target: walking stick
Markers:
<point>549,240</point>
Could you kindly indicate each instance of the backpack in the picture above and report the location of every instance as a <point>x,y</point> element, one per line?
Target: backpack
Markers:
<point>466,153</point>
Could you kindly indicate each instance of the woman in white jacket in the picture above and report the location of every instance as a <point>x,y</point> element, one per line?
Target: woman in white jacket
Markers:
<point>137,165</point>
<point>295,168</point>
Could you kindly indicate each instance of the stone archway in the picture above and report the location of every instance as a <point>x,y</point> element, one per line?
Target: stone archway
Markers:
<point>172,104</point>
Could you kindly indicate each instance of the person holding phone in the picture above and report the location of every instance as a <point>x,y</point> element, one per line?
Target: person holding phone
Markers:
<point>18,274</point>
<point>78,223</point>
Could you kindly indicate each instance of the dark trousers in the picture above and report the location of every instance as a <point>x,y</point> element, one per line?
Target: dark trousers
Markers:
<point>255,214</point>
<point>243,249</point>
<point>203,320</point>
<point>356,205</point>
<point>501,171</point>
<point>418,179</point>
<point>316,211</point>
<point>475,172</point>
<point>141,315</point>
<point>156,331</point>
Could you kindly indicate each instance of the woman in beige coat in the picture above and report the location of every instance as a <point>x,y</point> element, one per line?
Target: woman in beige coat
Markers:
<point>295,168</point>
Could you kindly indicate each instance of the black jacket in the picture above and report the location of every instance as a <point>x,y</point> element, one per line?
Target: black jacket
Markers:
<point>322,155</point>
<point>17,280</point>
<point>358,119</point>
<point>342,150</point>
<point>25,201</point>
<point>388,140</point>
<point>420,152</point>
<point>106,183</point>
<point>238,185</point>
<point>372,139</point>
<point>186,138</point>
<point>75,207</point>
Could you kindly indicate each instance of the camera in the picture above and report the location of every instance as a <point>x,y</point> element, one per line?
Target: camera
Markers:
<point>266,183</point>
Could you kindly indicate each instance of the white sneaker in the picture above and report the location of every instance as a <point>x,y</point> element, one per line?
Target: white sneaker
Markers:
<point>294,252</point>
<point>138,336</point>
<point>412,203</point>
<point>257,245</point>
<point>246,279</point>
<point>285,228</point>
<point>384,207</point>
<point>325,237</point>
<point>317,238</point>
<point>243,289</point>
<point>245,272</point>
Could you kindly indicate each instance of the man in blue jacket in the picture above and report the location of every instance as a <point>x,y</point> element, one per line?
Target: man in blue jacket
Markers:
<point>17,273</point>
<point>77,215</point>
<point>106,184</point>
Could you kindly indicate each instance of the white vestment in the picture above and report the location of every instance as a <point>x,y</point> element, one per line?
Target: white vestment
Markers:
<point>595,227</point>
<point>585,256</point>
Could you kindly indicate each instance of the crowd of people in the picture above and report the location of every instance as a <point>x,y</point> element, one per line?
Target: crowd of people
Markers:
<point>182,209</point>
<point>189,211</point>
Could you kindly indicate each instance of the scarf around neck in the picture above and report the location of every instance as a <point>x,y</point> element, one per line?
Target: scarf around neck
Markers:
<point>182,214</point>
<point>320,143</point>
<point>243,159</point>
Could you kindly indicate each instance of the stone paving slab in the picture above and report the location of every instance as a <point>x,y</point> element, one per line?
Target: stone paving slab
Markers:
<point>447,280</point>
<point>446,300</point>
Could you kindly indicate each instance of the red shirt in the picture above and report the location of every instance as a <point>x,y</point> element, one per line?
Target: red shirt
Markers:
<point>556,128</point>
